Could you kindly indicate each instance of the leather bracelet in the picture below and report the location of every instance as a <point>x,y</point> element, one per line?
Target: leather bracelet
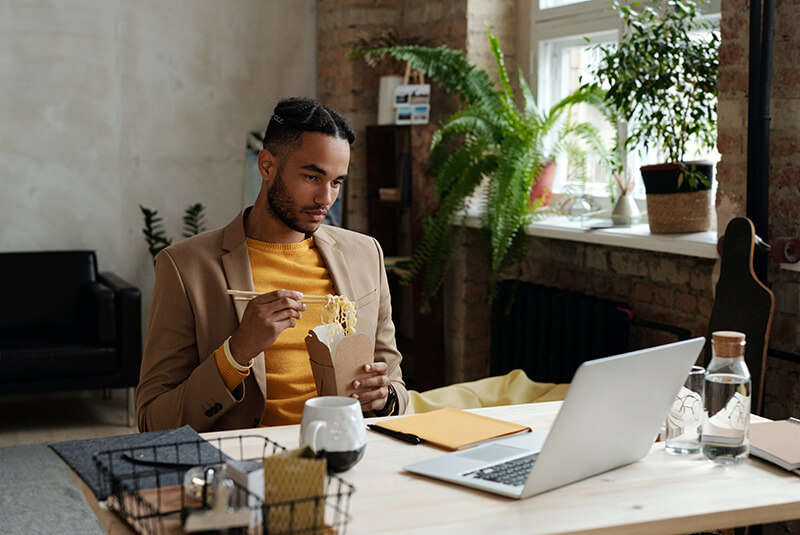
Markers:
<point>226,347</point>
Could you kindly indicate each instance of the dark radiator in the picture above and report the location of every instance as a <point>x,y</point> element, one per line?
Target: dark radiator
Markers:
<point>549,332</point>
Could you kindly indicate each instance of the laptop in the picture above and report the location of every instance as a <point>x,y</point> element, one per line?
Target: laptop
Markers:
<point>610,417</point>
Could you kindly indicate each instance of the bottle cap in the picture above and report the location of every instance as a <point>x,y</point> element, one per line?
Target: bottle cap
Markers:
<point>728,344</point>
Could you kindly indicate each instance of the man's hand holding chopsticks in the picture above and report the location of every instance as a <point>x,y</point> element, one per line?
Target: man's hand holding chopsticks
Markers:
<point>266,316</point>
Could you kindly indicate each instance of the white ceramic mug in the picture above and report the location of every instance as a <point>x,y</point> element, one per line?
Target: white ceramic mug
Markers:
<point>334,426</point>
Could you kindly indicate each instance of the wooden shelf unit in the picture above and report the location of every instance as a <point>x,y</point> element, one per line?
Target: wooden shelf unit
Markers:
<point>397,157</point>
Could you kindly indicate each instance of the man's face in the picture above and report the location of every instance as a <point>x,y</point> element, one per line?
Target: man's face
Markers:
<point>307,183</point>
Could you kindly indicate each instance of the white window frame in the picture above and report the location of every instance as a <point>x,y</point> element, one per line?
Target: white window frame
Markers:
<point>585,18</point>
<point>588,18</point>
<point>551,59</point>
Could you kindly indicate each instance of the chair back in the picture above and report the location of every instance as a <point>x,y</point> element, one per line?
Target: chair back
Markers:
<point>43,291</point>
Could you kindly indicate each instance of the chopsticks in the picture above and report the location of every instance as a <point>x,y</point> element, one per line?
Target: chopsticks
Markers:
<point>244,295</point>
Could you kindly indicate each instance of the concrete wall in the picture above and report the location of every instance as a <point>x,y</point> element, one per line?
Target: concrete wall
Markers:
<point>109,104</point>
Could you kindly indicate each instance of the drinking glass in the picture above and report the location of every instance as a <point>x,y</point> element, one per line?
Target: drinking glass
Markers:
<point>686,415</point>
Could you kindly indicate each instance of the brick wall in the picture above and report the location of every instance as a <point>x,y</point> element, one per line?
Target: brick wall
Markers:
<point>781,392</point>
<point>654,281</point>
<point>732,111</point>
<point>785,205</point>
<point>664,288</point>
<point>351,86</point>
<point>782,395</point>
<point>500,14</point>
<point>660,287</point>
<point>468,318</point>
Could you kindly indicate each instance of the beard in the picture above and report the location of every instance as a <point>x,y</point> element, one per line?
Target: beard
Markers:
<point>281,205</point>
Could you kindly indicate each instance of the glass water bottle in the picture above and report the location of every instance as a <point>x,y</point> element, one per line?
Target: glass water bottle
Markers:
<point>726,420</point>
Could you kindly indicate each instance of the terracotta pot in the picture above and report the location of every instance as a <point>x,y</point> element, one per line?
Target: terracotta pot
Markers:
<point>543,185</point>
<point>672,209</point>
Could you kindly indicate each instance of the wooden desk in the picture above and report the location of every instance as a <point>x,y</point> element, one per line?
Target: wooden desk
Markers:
<point>659,494</point>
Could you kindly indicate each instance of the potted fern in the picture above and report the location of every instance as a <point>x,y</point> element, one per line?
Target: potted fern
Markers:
<point>491,138</point>
<point>662,78</point>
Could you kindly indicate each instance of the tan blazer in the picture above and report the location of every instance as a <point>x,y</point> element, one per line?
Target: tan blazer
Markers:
<point>191,316</point>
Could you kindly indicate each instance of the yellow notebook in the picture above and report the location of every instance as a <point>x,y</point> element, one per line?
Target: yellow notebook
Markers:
<point>453,429</point>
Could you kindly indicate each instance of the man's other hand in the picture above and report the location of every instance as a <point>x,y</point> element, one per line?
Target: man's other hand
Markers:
<point>372,388</point>
<point>265,317</point>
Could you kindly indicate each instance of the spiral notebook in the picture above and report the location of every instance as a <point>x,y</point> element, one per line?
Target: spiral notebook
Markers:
<point>777,442</point>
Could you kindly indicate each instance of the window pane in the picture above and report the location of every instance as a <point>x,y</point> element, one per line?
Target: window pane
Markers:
<point>565,67</point>
<point>566,64</point>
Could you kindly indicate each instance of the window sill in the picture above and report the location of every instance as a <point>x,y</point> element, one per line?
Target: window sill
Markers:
<point>698,244</point>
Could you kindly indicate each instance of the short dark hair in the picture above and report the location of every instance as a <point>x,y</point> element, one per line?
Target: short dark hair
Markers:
<point>296,115</point>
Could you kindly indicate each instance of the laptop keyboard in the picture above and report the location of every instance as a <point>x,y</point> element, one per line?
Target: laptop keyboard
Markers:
<point>513,472</point>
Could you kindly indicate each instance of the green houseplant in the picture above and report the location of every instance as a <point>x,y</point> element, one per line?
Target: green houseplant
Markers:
<point>491,138</point>
<point>156,237</point>
<point>662,78</point>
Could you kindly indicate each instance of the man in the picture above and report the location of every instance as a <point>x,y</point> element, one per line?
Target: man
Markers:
<point>214,363</point>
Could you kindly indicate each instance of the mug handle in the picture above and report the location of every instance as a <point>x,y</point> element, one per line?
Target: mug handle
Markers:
<point>310,434</point>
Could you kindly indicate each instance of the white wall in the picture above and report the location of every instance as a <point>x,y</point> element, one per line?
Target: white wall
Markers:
<point>105,105</point>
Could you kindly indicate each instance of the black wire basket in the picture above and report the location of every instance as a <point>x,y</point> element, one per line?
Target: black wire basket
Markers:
<point>147,488</point>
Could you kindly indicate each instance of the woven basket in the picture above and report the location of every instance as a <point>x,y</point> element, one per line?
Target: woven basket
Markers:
<point>671,213</point>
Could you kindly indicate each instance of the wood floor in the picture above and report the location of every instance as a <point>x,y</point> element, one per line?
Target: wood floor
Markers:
<point>53,417</point>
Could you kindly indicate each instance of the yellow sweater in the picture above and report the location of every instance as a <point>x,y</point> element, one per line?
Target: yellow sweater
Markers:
<point>290,266</point>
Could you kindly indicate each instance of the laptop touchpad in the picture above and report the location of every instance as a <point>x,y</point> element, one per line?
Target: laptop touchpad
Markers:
<point>494,452</point>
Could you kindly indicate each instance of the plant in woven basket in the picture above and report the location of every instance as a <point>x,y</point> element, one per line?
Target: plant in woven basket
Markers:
<point>493,138</point>
<point>662,78</point>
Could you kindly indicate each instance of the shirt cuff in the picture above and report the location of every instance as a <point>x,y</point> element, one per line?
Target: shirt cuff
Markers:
<point>230,375</point>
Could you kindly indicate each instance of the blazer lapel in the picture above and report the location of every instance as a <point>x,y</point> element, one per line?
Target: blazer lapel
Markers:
<point>236,264</point>
<point>336,263</point>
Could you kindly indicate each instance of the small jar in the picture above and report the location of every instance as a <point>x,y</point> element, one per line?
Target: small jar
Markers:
<point>727,393</point>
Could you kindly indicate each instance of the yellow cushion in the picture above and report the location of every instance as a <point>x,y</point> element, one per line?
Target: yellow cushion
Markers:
<point>509,389</point>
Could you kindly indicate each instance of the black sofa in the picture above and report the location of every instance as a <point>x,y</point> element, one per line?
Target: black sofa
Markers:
<point>64,326</point>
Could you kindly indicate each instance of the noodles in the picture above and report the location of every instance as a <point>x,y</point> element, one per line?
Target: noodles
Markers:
<point>339,310</point>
